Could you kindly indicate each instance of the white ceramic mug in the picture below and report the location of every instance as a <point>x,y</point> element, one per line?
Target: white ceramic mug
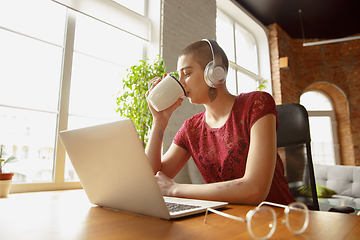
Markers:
<point>166,93</point>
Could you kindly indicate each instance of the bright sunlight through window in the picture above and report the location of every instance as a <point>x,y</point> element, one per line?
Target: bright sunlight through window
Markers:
<point>322,127</point>
<point>60,69</point>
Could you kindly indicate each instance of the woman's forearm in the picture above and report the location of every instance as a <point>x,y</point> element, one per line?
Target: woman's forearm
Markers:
<point>242,190</point>
<point>154,146</point>
<point>232,191</point>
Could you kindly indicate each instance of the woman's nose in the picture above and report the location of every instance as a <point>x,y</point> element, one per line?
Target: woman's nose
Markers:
<point>181,80</point>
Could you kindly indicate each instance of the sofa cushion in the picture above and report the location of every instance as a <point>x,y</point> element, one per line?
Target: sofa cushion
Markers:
<point>355,189</point>
<point>321,174</point>
<point>340,178</point>
<point>322,192</point>
<point>345,180</point>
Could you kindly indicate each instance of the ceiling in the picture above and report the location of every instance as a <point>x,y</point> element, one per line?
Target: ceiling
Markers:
<point>321,19</point>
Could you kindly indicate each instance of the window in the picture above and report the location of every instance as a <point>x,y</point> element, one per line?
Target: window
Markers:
<point>323,128</point>
<point>247,62</point>
<point>60,69</point>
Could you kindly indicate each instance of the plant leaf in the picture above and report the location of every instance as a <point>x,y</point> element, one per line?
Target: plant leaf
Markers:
<point>132,101</point>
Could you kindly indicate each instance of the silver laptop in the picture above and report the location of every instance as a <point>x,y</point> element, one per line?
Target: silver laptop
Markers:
<point>113,169</point>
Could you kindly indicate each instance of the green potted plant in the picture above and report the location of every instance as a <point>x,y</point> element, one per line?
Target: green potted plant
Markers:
<point>132,101</point>
<point>5,178</point>
<point>262,86</point>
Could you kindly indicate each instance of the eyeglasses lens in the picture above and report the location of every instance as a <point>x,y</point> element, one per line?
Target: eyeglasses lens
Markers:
<point>263,223</point>
<point>297,218</point>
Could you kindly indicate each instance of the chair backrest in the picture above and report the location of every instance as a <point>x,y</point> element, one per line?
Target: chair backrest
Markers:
<point>293,142</point>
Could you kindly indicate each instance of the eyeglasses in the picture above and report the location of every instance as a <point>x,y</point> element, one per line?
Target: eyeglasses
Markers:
<point>261,221</point>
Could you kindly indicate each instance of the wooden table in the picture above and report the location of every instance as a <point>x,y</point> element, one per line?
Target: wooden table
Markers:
<point>69,215</point>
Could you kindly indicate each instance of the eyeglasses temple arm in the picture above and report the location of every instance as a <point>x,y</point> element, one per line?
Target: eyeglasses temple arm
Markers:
<point>224,215</point>
<point>272,204</point>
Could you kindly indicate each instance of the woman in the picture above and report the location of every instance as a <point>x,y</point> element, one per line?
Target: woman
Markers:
<point>233,142</point>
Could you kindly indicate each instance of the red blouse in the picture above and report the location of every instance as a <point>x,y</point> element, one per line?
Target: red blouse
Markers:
<point>221,153</point>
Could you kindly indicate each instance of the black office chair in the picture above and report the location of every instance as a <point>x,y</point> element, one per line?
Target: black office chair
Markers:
<point>293,142</point>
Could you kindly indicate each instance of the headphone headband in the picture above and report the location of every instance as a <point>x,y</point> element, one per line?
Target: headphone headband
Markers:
<point>216,53</point>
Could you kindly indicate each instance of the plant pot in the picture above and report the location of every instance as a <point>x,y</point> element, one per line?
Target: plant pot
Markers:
<point>5,184</point>
<point>6,176</point>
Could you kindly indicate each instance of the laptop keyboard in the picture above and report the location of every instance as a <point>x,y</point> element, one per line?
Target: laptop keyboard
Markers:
<point>176,207</point>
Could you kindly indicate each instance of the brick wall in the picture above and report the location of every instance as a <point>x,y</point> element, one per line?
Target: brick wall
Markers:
<point>332,68</point>
<point>274,59</point>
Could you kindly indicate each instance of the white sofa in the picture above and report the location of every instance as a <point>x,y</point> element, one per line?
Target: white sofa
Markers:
<point>344,180</point>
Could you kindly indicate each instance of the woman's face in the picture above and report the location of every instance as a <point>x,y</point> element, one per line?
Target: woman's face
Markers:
<point>191,76</point>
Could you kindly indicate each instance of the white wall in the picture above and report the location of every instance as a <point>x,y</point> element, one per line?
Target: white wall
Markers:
<point>184,22</point>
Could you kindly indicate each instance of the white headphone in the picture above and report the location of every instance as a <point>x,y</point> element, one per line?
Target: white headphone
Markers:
<point>215,71</point>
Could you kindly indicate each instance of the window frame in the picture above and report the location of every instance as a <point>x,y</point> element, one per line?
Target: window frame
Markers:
<point>152,14</point>
<point>240,16</point>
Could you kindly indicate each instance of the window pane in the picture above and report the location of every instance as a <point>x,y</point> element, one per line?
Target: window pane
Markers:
<point>231,81</point>
<point>246,83</point>
<point>31,50</point>
<point>321,126</point>
<point>322,140</point>
<point>244,45</point>
<point>315,101</point>
<point>103,41</point>
<point>225,36</point>
<point>246,53</point>
<point>30,136</point>
<point>102,53</point>
<point>42,19</point>
<point>30,72</point>
<point>94,85</point>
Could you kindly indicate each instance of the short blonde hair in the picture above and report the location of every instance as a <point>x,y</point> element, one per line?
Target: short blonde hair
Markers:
<point>202,54</point>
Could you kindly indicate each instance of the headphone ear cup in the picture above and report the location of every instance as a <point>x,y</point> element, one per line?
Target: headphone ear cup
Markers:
<point>214,76</point>
<point>215,71</point>
<point>207,74</point>
<point>218,73</point>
